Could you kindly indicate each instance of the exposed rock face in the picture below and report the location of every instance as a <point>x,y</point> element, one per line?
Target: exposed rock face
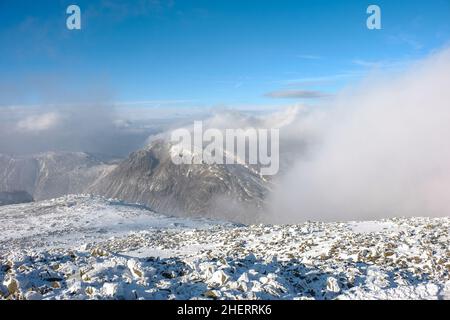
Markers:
<point>150,177</point>
<point>15,197</point>
<point>50,175</point>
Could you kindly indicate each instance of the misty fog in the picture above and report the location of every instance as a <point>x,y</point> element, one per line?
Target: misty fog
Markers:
<point>379,150</point>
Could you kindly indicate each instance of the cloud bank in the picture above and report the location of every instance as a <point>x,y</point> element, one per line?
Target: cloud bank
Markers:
<point>297,94</point>
<point>379,150</point>
<point>93,128</point>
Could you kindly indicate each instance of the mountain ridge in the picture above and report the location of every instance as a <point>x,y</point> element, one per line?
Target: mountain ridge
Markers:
<point>150,177</point>
<point>147,176</point>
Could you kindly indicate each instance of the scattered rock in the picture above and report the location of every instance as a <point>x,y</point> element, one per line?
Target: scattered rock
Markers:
<point>311,261</point>
<point>12,285</point>
<point>218,278</point>
<point>333,285</point>
<point>110,289</point>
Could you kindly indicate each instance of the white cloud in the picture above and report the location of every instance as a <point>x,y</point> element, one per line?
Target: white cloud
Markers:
<point>309,57</point>
<point>297,94</point>
<point>38,123</point>
<point>380,150</point>
<point>90,128</point>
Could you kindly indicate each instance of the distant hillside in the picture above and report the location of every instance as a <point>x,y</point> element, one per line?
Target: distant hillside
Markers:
<point>51,174</point>
<point>147,176</point>
<point>15,197</point>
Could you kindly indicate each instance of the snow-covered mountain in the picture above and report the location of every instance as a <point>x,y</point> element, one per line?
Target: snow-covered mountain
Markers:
<point>147,176</point>
<point>84,247</point>
<point>150,177</point>
<point>51,174</point>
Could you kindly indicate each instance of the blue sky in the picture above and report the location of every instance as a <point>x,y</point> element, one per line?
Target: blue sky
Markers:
<point>206,53</point>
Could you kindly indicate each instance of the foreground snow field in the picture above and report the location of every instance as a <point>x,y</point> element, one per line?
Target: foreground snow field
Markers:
<point>82,247</point>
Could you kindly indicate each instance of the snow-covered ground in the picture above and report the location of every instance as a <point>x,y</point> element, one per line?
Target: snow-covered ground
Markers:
<point>82,247</point>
